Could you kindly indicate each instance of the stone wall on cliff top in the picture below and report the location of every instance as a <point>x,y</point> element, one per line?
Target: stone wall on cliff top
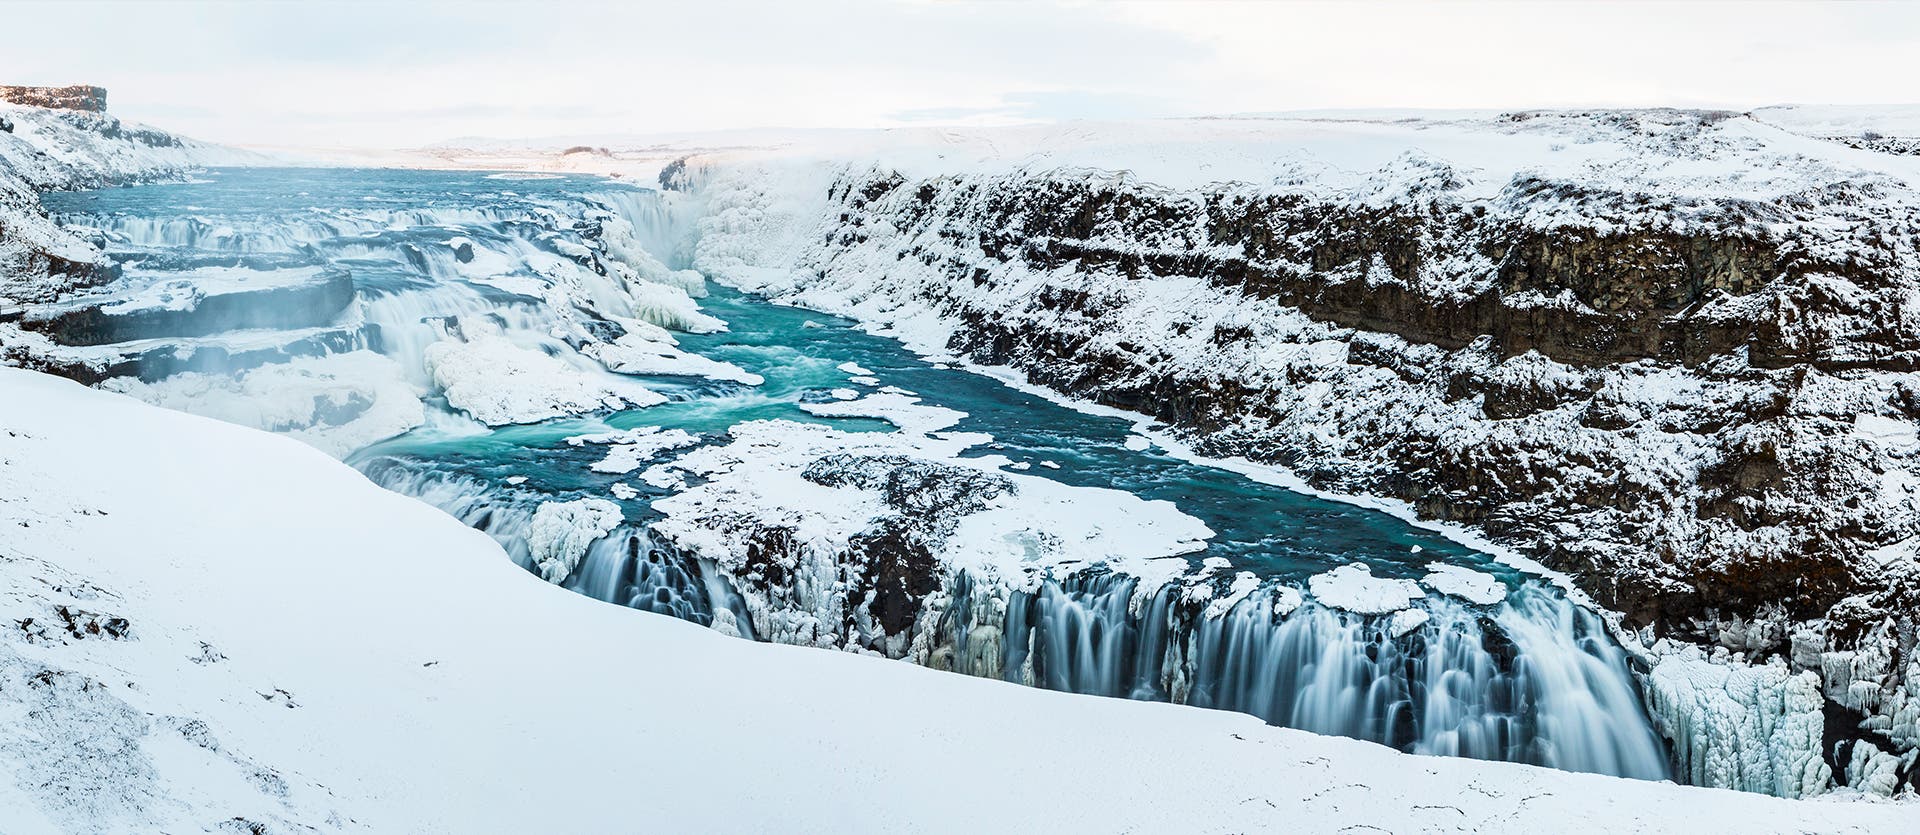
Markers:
<point>73,97</point>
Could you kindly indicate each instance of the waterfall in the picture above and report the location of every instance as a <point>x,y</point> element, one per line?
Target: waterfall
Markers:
<point>1535,679</point>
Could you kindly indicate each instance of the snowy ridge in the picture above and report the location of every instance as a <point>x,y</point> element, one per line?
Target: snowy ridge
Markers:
<point>183,654</point>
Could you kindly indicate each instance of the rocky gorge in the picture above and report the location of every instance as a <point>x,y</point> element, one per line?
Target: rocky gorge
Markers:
<point>1694,396</point>
<point>1694,399</point>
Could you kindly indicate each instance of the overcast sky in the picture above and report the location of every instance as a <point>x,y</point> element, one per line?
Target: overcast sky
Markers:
<point>396,74</point>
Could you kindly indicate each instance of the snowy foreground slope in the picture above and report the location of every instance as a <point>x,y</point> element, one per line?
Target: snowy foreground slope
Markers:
<point>214,628</point>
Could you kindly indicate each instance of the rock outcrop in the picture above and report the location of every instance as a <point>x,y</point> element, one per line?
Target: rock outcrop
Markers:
<point>74,97</point>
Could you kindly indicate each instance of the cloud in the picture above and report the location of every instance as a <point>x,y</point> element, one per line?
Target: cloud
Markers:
<point>1044,106</point>
<point>400,74</point>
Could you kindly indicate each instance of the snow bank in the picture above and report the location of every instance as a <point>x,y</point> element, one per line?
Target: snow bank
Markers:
<point>396,674</point>
<point>498,382</point>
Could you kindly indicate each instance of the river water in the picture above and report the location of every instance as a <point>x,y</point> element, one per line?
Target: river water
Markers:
<point>437,257</point>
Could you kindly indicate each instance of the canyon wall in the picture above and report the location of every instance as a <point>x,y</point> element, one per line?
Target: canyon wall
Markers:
<point>1680,370</point>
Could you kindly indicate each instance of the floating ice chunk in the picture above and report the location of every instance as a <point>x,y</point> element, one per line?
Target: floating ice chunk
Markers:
<point>558,535</point>
<point>1464,583</point>
<point>1354,588</point>
<point>865,381</point>
<point>908,413</point>
<point>1019,465</point>
<point>1137,443</point>
<point>1285,600</point>
<point>637,354</point>
<point>516,480</point>
<point>898,390</point>
<point>634,447</point>
<point>1051,465</point>
<point>623,491</point>
<point>1407,620</point>
<point>845,394</point>
<point>854,368</point>
<point>664,477</point>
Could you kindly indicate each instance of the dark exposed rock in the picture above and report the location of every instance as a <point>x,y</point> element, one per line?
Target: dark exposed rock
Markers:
<point>674,177</point>
<point>893,559</point>
<point>76,97</point>
<point>308,304</point>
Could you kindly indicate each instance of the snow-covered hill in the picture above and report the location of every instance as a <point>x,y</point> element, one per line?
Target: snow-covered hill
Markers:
<point>218,629</point>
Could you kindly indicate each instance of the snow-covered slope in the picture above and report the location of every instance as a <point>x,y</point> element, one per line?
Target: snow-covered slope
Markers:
<point>328,655</point>
<point>1668,352</point>
<point>43,149</point>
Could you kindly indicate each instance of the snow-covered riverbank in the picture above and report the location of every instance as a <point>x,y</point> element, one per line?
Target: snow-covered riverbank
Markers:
<point>334,655</point>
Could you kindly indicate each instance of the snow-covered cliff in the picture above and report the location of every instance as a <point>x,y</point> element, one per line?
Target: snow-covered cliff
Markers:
<point>45,149</point>
<point>1670,353</point>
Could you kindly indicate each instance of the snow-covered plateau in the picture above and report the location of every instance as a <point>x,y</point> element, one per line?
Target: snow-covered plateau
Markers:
<point>1631,388</point>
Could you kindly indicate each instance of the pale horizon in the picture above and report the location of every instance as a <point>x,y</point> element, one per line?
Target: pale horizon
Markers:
<point>325,75</point>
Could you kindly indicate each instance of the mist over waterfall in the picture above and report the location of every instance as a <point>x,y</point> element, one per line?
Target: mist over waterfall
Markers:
<point>533,357</point>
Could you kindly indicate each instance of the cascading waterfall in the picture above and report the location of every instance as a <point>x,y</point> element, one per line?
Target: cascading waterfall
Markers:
<point>1531,679</point>
<point>1535,679</point>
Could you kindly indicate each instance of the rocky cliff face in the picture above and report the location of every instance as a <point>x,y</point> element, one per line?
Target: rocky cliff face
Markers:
<point>75,97</point>
<point>1690,389</point>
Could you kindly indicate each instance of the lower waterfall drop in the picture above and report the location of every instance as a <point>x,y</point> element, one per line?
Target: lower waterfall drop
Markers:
<point>1534,679</point>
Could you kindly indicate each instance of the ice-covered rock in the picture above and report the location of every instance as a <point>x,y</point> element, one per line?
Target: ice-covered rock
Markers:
<point>560,532</point>
<point>1354,588</point>
<point>498,382</point>
<point>1755,728</point>
<point>1465,583</point>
